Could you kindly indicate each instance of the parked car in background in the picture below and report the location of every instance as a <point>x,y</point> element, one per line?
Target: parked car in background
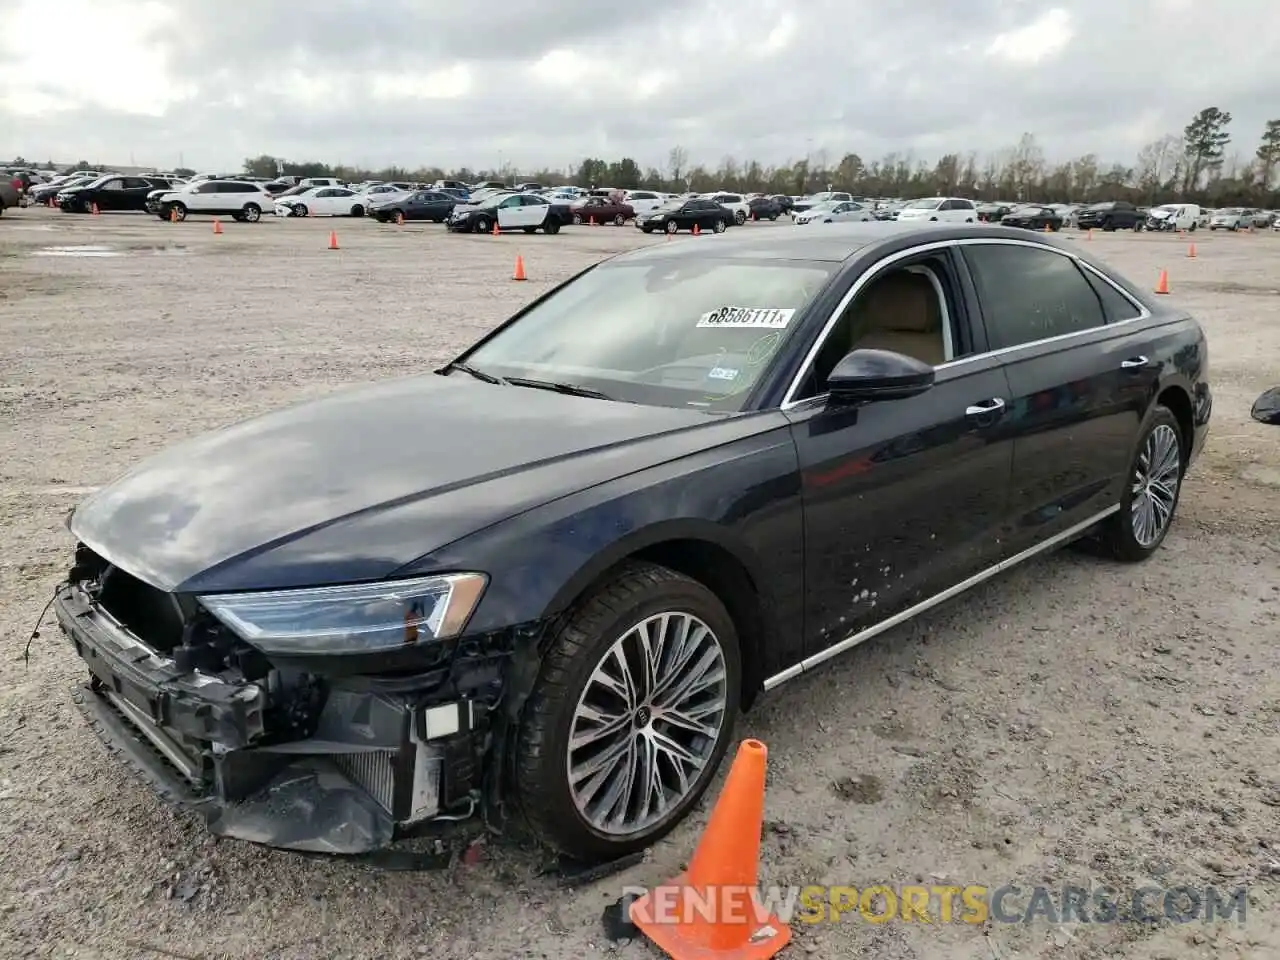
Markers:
<point>237,199</point>
<point>735,203</point>
<point>600,210</point>
<point>529,212</point>
<point>940,209</point>
<point>686,214</point>
<point>825,196</point>
<point>1110,215</point>
<point>322,202</point>
<point>1169,217</point>
<point>645,201</point>
<point>45,192</point>
<point>765,208</point>
<point>835,211</point>
<point>1033,217</point>
<point>110,194</point>
<point>8,196</point>
<point>1262,219</point>
<point>544,581</point>
<point>1231,218</point>
<point>435,205</point>
<point>993,212</point>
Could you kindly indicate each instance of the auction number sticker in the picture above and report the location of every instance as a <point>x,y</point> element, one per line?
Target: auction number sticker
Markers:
<point>759,318</point>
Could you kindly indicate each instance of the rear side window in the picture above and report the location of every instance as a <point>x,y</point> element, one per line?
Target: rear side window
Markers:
<point>1117,306</point>
<point>1029,294</point>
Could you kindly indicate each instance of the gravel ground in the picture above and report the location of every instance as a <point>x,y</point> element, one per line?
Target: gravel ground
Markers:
<point>1073,721</point>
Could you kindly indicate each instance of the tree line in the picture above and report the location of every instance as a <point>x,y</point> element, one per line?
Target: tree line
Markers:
<point>1197,165</point>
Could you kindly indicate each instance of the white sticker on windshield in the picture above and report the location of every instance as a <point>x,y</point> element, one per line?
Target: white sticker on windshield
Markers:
<point>722,373</point>
<point>760,318</point>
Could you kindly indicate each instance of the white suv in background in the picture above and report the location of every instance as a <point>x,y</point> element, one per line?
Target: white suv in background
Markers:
<point>644,202</point>
<point>237,199</point>
<point>942,209</point>
<point>734,202</point>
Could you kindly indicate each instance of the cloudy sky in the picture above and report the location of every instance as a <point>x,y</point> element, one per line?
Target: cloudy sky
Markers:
<point>537,83</point>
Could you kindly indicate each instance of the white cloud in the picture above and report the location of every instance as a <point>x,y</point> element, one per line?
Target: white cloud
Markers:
<point>542,82</point>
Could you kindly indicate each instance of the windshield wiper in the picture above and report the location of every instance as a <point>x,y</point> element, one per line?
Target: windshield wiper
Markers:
<point>572,389</point>
<point>478,374</point>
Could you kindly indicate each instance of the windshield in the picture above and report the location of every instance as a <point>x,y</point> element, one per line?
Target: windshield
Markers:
<point>692,333</point>
<point>824,205</point>
<point>927,203</point>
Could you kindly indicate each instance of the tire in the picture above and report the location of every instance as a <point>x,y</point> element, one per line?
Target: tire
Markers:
<point>483,225</point>
<point>178,211</point>
<point>577,219</point>
<point>357,211</point>
<point>252,213</point>
<point>619,220</point>
<point>721,226</point>
<point>529,229</point>
<point>1192,228</point>
<point>933,219</point>
<point>300,210</point>
<point>672,227</point>
<point>740,217</point>
<point>551,227</point>
<point>1125,535</point>
<point>1107,225</point>
<point>646,229</point>
<point>636,595</point>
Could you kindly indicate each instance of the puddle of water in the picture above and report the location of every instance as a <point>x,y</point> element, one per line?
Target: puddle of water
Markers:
<point>76,251</point>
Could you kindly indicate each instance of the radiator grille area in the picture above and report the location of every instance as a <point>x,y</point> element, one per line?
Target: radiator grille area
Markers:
<point>373,771</point>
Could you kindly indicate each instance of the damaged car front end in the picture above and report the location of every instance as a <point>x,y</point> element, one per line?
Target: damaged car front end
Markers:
<point>258,710</point>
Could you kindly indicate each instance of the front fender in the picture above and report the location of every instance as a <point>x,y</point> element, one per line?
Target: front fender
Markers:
<point>743,497</point>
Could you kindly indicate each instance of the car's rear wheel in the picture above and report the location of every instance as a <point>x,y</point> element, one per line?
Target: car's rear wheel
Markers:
<point>577,219</point>
<point>252,213</point>
<point>672,226</point>
<point>1151,492</point>
<point>357,210</point>
<point>740,217</point>
<point>631,714</point>
<point>619,219</point>
<point>551,227</point>
<point>720,226</point>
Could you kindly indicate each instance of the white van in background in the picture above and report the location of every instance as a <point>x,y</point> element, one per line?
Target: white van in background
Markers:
<point>1173,216</point>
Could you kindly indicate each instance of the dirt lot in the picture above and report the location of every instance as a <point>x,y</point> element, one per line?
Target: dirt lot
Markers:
<point>1075,721</point>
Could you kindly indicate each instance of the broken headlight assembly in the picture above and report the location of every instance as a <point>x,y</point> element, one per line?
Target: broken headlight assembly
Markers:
<point>350,619</point>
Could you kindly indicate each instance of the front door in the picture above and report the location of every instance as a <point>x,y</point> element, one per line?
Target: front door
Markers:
<point>511,213</point>
<point>1079,384</point>
<point>902,498</point>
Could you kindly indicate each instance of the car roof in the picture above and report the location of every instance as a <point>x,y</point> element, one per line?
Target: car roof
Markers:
<point>832,243</point>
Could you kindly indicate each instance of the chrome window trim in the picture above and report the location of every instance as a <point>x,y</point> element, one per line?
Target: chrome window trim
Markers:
<point>788,399</point>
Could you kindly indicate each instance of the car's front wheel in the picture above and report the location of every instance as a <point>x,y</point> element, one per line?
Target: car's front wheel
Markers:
<point>720,226</point>
<point>252,213</point>
<point>1151,492</point>
<point>631,714</point>
<point>740,217</point>
<point>672,226</point>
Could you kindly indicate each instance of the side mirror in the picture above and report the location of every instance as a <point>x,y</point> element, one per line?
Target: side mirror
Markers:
<point>865,376</point>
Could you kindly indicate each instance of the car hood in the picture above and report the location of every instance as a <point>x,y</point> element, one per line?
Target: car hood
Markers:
<point>357,484</point>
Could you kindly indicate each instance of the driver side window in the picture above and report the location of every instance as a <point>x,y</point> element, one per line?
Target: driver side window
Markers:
<point>900,310</point>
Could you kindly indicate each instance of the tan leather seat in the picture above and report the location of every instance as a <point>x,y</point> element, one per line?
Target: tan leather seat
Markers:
<point>900,312</point>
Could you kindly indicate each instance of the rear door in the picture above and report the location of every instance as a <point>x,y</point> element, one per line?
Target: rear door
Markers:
<point>1078,377</point>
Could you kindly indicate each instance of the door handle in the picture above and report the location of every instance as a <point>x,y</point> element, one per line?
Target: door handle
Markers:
<point>987,408</point>
<point>1135,363</point>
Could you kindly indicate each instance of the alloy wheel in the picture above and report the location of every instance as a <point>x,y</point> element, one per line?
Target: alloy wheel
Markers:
<point>1155,485</point>
<point>647,723</point>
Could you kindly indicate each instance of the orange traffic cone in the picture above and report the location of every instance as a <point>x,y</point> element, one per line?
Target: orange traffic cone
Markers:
<point>1089,235</point>
<point>592,222</point>
<point>93,209</point>
<point>217,225</point>
<point>1046,229</point>
<point>496,229</point>
<point>333,239</point>
<point>1162,285</point>
<point>400,219</point>
<point>1191,252</point>
<point>713,909</point>
<point>519,274</point>
<point>173,214</point>
<point>696,230</point>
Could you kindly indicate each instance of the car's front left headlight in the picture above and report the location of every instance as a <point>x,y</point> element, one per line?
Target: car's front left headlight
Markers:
<point>352,619</point>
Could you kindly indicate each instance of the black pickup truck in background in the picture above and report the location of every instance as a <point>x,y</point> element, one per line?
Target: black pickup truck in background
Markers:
<point>1112,215</point>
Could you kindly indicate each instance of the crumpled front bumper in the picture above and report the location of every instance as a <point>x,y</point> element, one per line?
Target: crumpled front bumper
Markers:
<point>376,766</point>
